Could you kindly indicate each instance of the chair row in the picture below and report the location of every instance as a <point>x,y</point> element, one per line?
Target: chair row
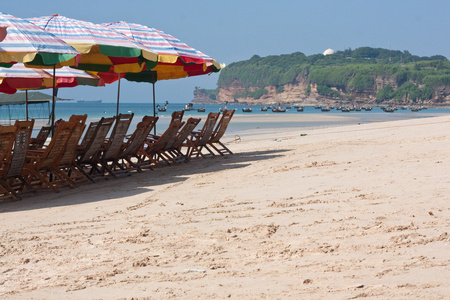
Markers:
<point>74,155</point>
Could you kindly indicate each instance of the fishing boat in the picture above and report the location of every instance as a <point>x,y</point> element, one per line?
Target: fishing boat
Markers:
<point>278,109</point>
<point>264,108</point>
<point>201,109</point>
<point>223,108</point>
<point>163,108</point>
<point>247,109</point>
<point>300,108</point>
<point>188,107</point>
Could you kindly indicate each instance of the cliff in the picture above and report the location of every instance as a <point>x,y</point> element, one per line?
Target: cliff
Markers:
<point>362,76</point>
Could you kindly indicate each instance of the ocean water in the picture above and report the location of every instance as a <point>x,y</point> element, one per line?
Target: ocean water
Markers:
<point>241,123</point>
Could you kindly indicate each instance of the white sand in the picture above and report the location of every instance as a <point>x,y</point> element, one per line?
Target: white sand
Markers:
<point>348,212</point>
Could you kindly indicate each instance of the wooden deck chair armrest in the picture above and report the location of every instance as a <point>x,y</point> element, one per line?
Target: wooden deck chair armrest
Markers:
<point>153,136</point>
<point>36,152</point>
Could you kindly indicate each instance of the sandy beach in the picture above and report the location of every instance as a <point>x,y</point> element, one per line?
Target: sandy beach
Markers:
<point>347,212</point>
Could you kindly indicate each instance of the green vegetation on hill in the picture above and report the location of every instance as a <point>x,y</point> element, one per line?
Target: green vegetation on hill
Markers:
<point>347,71</point>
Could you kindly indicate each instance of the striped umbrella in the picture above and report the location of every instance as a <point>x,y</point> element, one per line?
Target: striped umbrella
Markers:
<point>27,43</point>
<point>101,48</point>
<point>19,77</point>
<point>175,58</point>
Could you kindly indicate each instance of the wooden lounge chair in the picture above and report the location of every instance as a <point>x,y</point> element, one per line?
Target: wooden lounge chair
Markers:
<point>67,162</point>
<point>113,145</point>
<point>177,116</point>
<point>218,133</point>
<point>7,137</point>
<point>14,175</point>
<point>197,140</point>
<point>41,138</point>
<point>134,142</point>
<point>43,164</point>
<point>91,147</point>
<point>150,153</point>
<point>173,151</point>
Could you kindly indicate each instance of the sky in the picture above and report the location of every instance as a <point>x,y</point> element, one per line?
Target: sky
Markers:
<point>235,30</point>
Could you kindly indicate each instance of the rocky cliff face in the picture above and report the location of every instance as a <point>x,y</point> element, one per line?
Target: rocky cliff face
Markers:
<point>296,93</point>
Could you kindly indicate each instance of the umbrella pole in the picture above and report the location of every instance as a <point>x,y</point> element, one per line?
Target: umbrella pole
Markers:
<point>53,101</point>
<point>118,95</point>
<point>26,104</point>
<point>154,108</point>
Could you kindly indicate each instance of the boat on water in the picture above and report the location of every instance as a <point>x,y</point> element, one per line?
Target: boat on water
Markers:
<point>325,109</point>
<point>201,109</point>
<point>247,109</point>
<point>263,108</point>
<point>162,109</point>
<point>223,108</point>
<point>278,109</point>
<point>300,108</point>
<point>389,109</point>
<point>188,107</point>
<point>89,101</point>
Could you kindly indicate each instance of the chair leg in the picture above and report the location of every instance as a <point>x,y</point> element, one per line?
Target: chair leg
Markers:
<point>9,190</point>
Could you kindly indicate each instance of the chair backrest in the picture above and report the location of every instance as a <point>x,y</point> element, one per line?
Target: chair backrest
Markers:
<point>167,137</point>
<point>177,115</point>
<point>55,149</point>
<point>92,145</point>
<point>25,126</point>
<point>115,142</point>
<point>41,138</point>
<point>7,136</point>
<point>70,153</point>
<point>207,130</point>
<point>185,132</point>
<point>222,126</point>
<point>88,135</point>
<point>21,142</point>
<point>138,137</point>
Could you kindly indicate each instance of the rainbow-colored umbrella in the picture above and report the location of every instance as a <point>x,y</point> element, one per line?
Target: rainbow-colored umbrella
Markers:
<point>175,58</point>
<point>27,43</point>
<point>101,48</point>
<point>19,77</point>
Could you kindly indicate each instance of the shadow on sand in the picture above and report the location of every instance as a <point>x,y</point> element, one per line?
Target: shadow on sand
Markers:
<point>136,183</point>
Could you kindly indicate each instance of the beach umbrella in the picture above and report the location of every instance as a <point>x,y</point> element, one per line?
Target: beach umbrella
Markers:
<point>175,58</point>
<point>101,48</point>
<point>18,77</point>
<point>27,43</point>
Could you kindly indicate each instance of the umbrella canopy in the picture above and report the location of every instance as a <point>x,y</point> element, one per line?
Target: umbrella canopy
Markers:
<point>175,58</point>
<point>19,77</point>
<point>27,43</point>
<point>101,48</point>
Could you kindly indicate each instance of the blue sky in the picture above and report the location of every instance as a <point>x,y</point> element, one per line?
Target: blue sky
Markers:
<point>231,31</point>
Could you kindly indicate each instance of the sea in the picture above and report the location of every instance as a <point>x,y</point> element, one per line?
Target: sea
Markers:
<point>242,123</point>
